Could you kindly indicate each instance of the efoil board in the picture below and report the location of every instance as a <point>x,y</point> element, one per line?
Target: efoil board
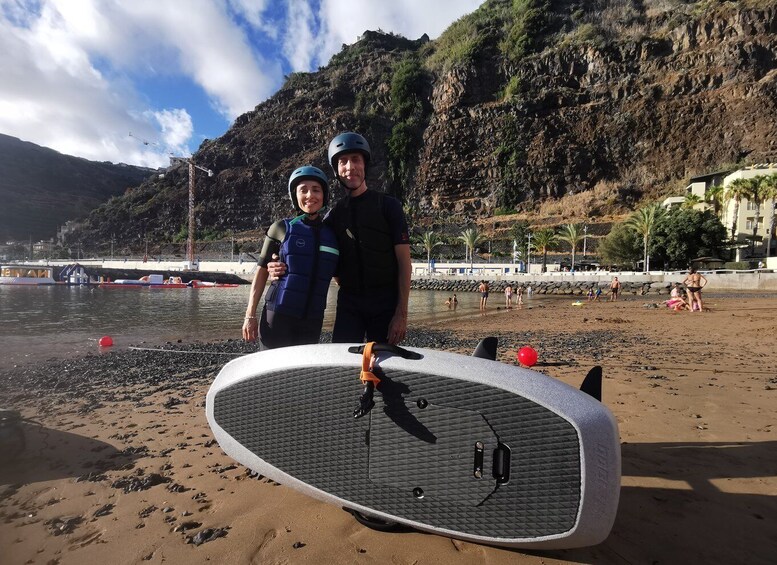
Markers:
<point>455,445</point>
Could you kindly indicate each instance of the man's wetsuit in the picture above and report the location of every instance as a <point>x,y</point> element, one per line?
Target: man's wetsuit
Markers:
<point>293,311</point>
<point>367,227</point>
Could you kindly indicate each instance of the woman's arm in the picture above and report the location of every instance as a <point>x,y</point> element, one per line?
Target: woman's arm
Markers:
<point>251,324</point>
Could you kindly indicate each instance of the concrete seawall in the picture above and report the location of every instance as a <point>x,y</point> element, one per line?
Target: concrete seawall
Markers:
<point>497,274</point>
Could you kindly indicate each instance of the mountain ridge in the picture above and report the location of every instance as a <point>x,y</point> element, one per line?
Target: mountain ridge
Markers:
<point>41,188</point>
<point>516,105</point>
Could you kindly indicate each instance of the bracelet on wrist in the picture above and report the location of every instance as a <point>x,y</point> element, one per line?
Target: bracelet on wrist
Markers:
<point>250,317</point>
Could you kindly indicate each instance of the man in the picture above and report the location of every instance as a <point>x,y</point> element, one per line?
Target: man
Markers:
<point>615,288</point>
<point>372,234</point>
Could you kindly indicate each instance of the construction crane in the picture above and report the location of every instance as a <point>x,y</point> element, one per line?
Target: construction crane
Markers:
<point>192,166</point>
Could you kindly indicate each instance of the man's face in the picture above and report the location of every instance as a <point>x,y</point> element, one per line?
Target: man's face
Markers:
<point>350,169</point>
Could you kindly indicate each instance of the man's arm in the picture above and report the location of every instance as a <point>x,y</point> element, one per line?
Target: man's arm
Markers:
<point>398,326</point>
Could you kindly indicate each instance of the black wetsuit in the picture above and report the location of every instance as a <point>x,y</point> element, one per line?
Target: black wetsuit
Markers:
<point>367,229</point>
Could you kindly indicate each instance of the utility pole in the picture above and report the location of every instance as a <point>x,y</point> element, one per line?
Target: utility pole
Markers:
<point>585,237</point>
<point>528,253</point>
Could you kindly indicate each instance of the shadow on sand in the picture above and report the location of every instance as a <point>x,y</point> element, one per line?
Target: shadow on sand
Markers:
<point>700,504</point>
<point>54,454</point>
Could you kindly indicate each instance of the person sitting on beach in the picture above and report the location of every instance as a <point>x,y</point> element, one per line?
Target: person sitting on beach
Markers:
<point>694,282</point>
<point>676,301</point>
<point>293,311</point>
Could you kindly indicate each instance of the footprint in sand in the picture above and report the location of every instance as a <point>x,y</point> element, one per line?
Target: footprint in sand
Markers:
<point>268,537</point>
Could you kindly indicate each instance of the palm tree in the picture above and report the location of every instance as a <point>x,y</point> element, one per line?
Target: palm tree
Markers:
<point>543,240</point>
<point>572,235</point>
<point>691,200</point>
<point>643,223</point>
<point>769,183</point>
<point>737,190</point>
<point>470,237</point>
<point>714,197</point>
<point>429,240</point>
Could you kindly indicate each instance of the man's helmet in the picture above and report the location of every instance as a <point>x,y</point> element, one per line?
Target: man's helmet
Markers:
<point>348,142</point>
<point>307,172</point>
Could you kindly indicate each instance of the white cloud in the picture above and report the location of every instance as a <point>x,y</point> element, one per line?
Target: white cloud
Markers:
<point>177,129</point>
<point>73,72</point>
<point>300,45</point>
<point>343,21</point>
<point>69,69</point>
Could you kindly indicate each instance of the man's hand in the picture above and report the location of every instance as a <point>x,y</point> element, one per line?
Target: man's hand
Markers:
<point>276,268</point>
<point>397,329</point>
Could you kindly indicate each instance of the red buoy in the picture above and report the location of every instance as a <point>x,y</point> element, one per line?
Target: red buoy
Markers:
<point>527,356</point>
<point>105,341</point>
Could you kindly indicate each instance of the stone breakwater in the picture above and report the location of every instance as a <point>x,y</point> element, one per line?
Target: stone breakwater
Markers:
<point>572,288</point>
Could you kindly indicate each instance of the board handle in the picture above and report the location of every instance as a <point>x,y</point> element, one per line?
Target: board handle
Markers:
<point>387,347</point>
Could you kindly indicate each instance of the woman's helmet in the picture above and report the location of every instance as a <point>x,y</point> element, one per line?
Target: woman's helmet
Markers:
<point>348,142</point>
<point>307,172</point>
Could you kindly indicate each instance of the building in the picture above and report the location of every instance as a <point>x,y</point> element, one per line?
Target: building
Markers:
<point>746,215</point>
<point>698,186</point>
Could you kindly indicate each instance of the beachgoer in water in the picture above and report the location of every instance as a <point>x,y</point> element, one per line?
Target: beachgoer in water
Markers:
<point>508,296</point>
<point>519,294</point>
<point>483,288</point>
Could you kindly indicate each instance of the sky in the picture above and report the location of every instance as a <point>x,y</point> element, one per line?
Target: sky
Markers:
<point>134,81</point>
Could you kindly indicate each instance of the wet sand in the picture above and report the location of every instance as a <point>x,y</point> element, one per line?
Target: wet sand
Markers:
<point>122,467</point>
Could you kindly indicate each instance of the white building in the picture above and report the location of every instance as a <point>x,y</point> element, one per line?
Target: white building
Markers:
<point>700,186</point>
<point>746,214</point>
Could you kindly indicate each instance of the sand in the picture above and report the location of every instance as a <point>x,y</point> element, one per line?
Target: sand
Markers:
<point>123,468</point>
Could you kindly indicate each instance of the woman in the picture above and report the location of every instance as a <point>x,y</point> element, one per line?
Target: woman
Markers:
<point>694,282</point>
<point>293,311</point>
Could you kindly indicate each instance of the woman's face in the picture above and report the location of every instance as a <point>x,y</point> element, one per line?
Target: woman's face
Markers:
<point>310,196</point>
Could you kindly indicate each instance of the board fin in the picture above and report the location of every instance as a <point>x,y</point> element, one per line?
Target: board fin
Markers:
<point>592,384</point>
<point>486,349</point>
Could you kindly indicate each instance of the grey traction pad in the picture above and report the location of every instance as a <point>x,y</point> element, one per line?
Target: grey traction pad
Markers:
<point>300,421</point>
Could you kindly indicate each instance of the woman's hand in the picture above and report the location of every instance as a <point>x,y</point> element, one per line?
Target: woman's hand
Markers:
<point>250,329</point>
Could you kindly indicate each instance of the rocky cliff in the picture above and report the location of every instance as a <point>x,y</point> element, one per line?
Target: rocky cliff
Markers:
<point>40,189</point>
<point>602,103</point>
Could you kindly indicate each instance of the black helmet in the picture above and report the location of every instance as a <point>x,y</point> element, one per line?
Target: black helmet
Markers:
<point>348,142</point>
<point>307,172</point>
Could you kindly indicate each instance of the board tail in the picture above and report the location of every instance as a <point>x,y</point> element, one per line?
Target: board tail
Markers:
<point>486,349</point>
<point>592,384</point>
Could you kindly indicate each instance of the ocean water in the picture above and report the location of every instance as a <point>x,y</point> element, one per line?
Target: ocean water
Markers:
<point>45,322</point>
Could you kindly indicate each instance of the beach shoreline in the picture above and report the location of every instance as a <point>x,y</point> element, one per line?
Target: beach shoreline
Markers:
<point>121,466</point>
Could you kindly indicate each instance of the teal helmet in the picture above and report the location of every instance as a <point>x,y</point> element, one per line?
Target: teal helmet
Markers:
<point>348,142</point>
<point>307,172</point>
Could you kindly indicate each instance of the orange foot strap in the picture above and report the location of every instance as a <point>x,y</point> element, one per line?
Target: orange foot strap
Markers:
<point>368,362</point>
